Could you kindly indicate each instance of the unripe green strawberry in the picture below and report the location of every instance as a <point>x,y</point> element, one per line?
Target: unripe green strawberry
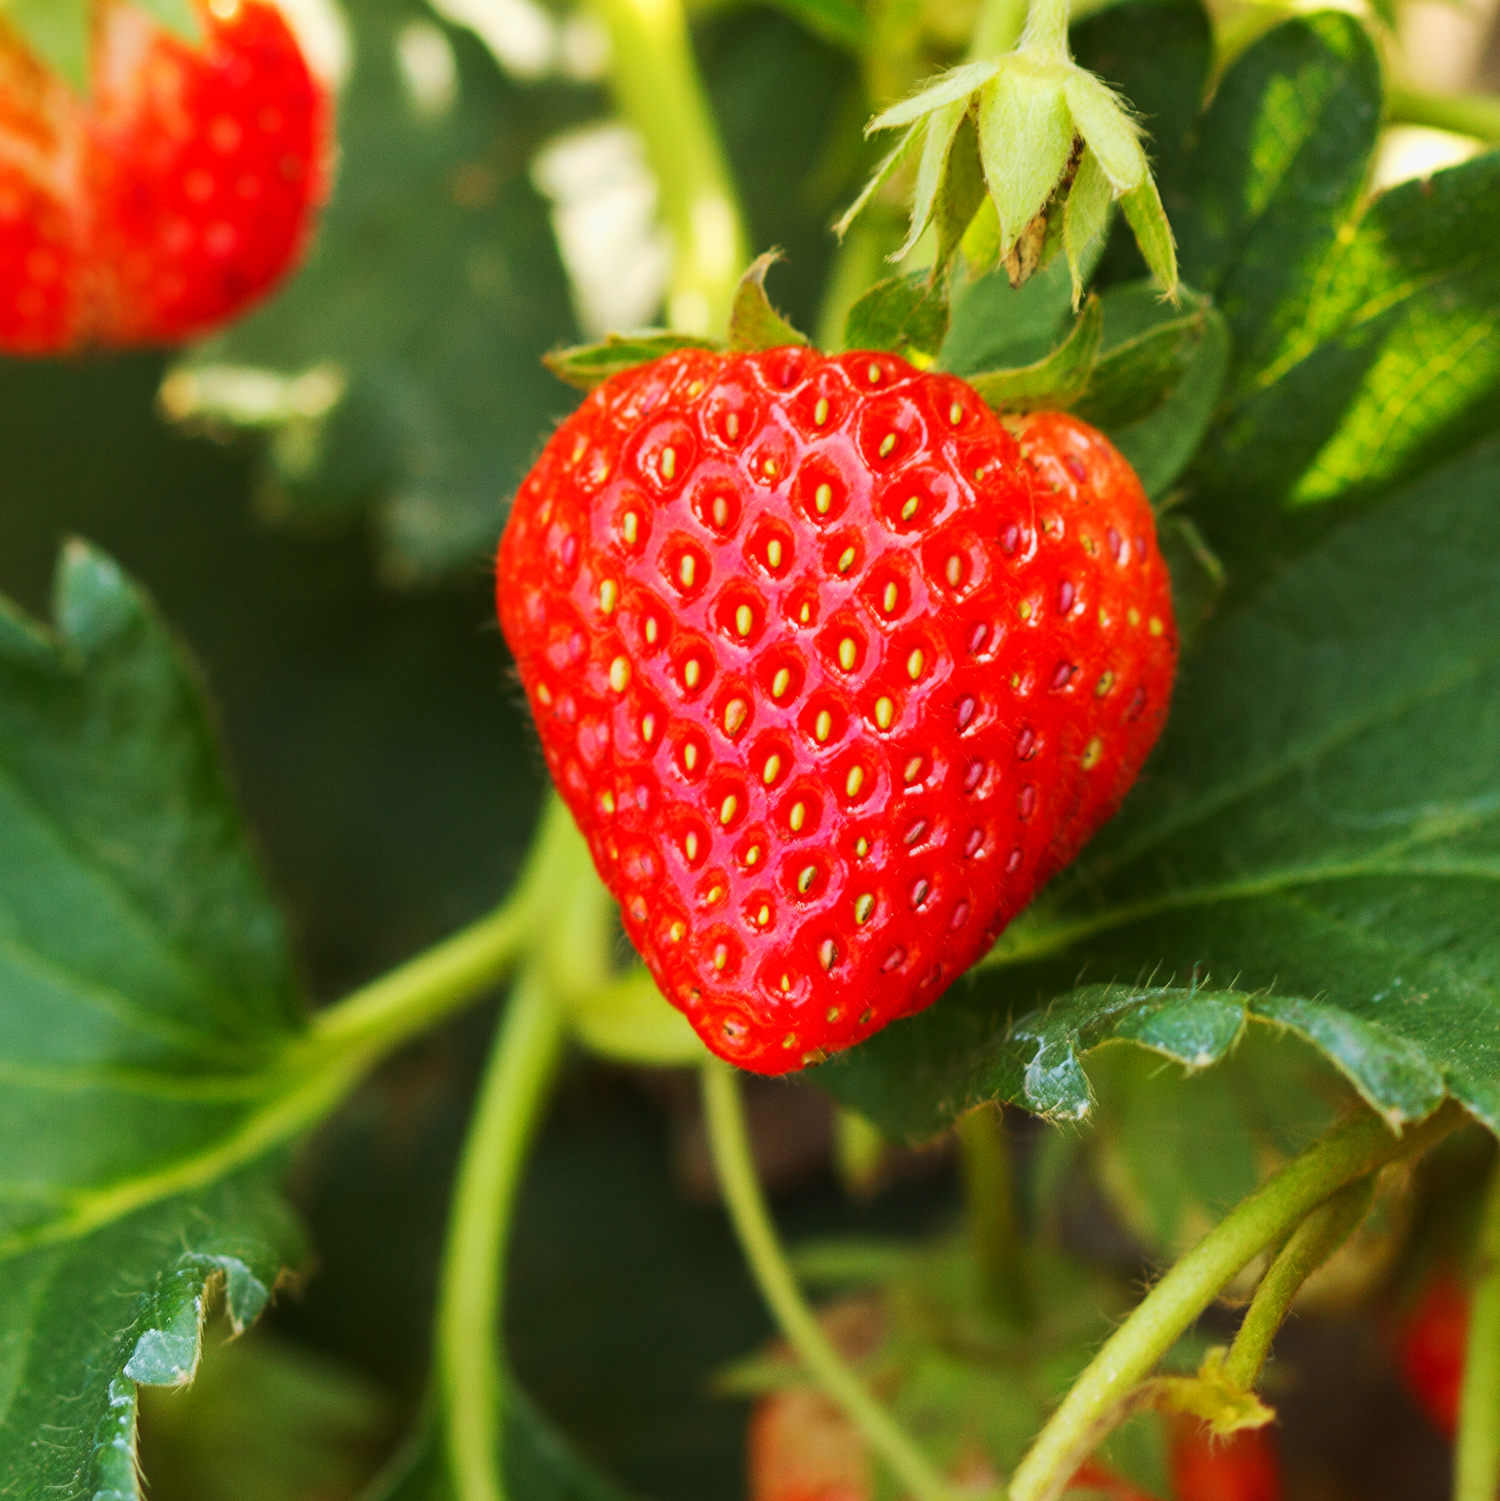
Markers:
<point>834,668</point>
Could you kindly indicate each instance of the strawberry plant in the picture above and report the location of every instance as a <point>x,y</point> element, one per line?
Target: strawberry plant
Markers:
<point>993,520</point>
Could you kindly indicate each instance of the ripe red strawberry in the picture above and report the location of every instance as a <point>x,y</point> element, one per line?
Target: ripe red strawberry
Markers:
<point>176,192</point>
<point>1243,1467</point>
<point>1432,1345</point>
<point>834,668</point>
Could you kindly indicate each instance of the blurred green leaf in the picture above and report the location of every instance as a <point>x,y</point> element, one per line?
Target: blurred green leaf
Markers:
<point>178,16</point>
<point>842,22</point>
<point>539,1464</point>
<point>1280,159</point>
<point>431,294</point>
<point>89,1322</point>
<point>265,1419</point>
<point>1316,844</point>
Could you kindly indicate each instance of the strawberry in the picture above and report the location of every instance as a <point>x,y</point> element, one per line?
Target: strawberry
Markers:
<point>1243,1467</point>
<point>179,190</point>
<point>834,668</point>
<point>1431,1348</point>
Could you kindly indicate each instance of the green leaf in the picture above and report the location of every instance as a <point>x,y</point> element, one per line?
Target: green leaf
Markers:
<point>1163,443</point>
<point>590,365</point>
<point>431,293</point>
<point>89,1322</point>
<point>994,324</point>
<point>902,314</point>
<point>265,1419</point>
<point>58,32</point>
<point>1316,844</point>
<point>753,322</point>
<point>1148,348</point>
<point>1055,381</point>
<point>1281,158</point>
<point>144,973</point>
<point>540,1465</point>
<point>1393,367</point>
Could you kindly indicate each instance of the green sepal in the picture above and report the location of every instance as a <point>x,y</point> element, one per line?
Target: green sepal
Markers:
<point>1054,382</point>
<point>588,365</point>
<point>932,168</point>
<point>753,322</point>
<point>176,16</point>
<point>1025,143</point>
<point>1085,218</point>
<point>59,33</point>
<point>1135,377</point>
<point>1212,1396</point>
<point>904,314</point>
<point>1148,219</point>
<point>961,197</point>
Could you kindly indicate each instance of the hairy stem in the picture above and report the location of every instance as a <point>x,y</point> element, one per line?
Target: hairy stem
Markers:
<point>730,1143</point>
<point>1046,30</point>
<point>1308,1247</point>
<point>659,92</point>
<point>1350,1151</point>
<point>1476,115</point>
<point>516,1081</point>
<point>1476,1460</point>
<point>993,1227</point>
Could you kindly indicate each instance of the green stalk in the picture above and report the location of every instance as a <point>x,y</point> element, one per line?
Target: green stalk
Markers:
<point>1476,1460</point>
<point>1046,30</point>
<point>656,84</point>
<point>1308,1247</point>
<point>730,1143</point>
<point>1350,1151</point>
<point>990,1191</point>
<point>522,1065</point>
<point>1476,115</point>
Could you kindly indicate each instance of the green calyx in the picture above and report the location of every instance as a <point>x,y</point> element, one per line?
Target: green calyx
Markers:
<point>1020,155</point>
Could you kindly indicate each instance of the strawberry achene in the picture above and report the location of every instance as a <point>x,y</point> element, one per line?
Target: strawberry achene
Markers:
<point>834,668</point>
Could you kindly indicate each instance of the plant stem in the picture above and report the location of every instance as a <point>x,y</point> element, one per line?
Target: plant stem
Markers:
<point>521,1068</point>
<point>1476,1460</point>
<point>411,998</point>
<point>1351,1150</point>
<point>1308,1247</point>
<point>730,1144</point>
<point>993,1228</point>
<point>656,83</point>
<point>1476,115</point>
<point>1046,30</point>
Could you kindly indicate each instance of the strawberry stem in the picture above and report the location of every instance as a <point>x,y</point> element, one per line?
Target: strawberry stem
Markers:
<point>1046,31</point>
<point>657,86</point>
<point>1476,115</point>
<point>523,1063</point>
<point>1350,1151</point>
<point>1476,1459</point>
<point>1308,1247</point>
<point>734,1162</point>
<point>994,1230</point>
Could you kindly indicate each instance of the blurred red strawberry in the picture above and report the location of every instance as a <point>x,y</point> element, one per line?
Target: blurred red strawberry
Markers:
<point>1430,1349</point>
<point>163,203</point>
